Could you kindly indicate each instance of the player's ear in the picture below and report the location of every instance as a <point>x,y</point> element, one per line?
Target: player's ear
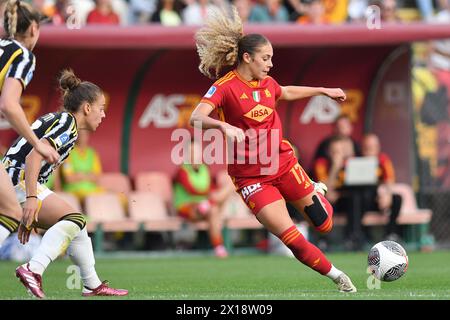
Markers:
<point>86,108</point>
<point>246,57</point>
<point>34,28</point>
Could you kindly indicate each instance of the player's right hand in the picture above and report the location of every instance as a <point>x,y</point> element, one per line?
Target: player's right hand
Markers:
<point>30,213</point>
<point>233,133</point>
<point>49,153</point>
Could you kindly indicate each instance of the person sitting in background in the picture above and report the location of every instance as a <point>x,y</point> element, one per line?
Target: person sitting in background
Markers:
<point>196,12</point>
<point>388,10</point>
<point>336,11</point>
<point>103,14</point>
<point>381,198</point>
<point>330,169</point>
<point>314,13</point>
<point>195,198</point>
<point>269,11</point>
<point>141,11</point>
<point>342,128</point>
<point>81,170</point>
<point>244,8</point>
<point>58,13</point>
<point>168,13</point>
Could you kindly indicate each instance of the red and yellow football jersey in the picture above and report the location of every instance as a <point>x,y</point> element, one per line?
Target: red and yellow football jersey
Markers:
<point>251,107</point>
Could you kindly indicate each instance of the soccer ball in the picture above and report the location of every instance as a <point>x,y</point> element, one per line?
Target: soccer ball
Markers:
<point>387,261</point>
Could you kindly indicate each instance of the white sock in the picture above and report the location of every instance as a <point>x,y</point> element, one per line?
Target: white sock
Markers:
<point>4,233</point>
<point>334,273</point>
<point>82,254</point>
<point>55,242</point>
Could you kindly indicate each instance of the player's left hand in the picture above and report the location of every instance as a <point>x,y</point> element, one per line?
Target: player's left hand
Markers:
<point>30,216</point>
<point>335,93</point>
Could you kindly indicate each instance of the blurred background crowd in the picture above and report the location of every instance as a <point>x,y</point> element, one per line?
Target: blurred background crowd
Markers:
<point>193,12</point>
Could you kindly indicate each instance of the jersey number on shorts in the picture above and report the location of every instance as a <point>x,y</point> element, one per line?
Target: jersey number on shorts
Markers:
<point>301,176</point>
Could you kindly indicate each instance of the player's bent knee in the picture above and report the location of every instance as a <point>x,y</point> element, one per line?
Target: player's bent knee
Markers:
<point>78,218</point>
<point>320,215</point>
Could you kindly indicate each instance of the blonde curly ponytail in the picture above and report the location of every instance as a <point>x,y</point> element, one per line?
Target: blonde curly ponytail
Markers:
<point>218,41</point>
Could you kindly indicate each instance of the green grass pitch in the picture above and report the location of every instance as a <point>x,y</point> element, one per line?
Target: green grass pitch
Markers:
<point>251,277</point>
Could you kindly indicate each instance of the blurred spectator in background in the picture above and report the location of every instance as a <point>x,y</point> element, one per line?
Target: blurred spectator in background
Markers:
<point>388,10</point>
<point>335,10</point>
<point>269,11</point>
<point>314,13</point>
<point>82,168</point>
<point>343,127</point>
<point>244,8</point>
<point>168,13</point>
<point>196,199</point>
<point>330,169</point>
<point>381,198</point>
<point>196,11</point>
<point>58,12</point>
<point>103,13</point>
<point>141,11</point>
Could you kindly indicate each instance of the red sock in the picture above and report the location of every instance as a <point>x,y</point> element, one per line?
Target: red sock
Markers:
<point>328,223</point>
<point>305,251</point>
<point>216,240</point>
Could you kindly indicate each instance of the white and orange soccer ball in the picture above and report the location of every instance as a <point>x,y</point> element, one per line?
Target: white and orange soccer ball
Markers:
<point>387,261</point>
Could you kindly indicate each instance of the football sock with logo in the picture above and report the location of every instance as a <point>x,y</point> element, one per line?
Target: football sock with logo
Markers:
<point>82,254</point>
<point>304,251</point>
<point>54,242</point>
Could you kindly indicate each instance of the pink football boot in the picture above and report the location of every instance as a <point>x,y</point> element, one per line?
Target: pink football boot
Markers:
<point>104,290</point>
<point>32,281</point>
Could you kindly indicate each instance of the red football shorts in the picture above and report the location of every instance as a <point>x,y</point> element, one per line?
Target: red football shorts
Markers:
<point>258,192</point>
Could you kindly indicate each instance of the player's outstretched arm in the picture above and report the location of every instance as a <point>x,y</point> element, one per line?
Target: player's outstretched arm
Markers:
<point>298,92</point>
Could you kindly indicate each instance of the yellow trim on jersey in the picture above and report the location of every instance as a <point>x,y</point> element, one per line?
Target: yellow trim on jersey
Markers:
<point>7,65</point>
<point>51,127</point>
<point>221,114</point>
<point>73,127</point>
<point>251,84</point>
<point>230,75</point>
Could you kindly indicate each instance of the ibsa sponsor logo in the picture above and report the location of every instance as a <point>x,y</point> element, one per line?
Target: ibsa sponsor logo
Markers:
<point>250,190</point>
<point>259,113</point>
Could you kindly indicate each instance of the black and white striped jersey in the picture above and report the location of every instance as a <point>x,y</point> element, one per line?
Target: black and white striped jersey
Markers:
<point>59,129</point>
<point>16,62</point>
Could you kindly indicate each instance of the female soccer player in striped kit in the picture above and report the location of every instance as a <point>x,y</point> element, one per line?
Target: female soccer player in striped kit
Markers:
<point>245,100</point>
<point>17,63</point>
<point>83,104</point>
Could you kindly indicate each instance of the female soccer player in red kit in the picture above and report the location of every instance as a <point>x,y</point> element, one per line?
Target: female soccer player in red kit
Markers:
<point>245,99</point>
